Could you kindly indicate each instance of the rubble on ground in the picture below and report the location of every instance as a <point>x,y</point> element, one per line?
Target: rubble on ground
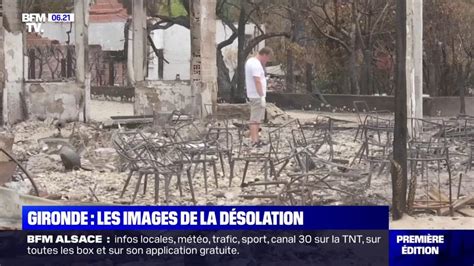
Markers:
<point>37,145</point>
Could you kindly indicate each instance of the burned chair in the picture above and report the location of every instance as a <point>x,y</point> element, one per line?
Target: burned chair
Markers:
<point>162,119</point>
<point>146,156</point>
<point>314,136</point>
<point>376,147</point>
<point>246,153</point>
<point>459,133</point>
<point>422,158</point>
<point>363,112</point>
<point>309,189</point>
<point>281,151</point>
<point>271,159</point>
<point>428,130</point>
<point>221,139</point>
<point>428,152</point>
<point>197,146</point>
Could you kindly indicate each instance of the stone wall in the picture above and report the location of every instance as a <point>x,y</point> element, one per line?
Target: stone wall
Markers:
<point>446,106</point>
<point>338,101</point>
<point>60,100</point>
<point>432,106</point>
<point>12,103</point>
<point>113,93</point>
<point>162,96</point>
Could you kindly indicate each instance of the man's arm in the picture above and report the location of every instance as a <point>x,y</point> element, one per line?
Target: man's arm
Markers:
<point>258,86</point>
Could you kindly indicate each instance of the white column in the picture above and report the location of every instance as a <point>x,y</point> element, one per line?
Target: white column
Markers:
<point>203,56</point>
<point>195,72</point>
<point>13,68</point>
<point>414,59</point>
<point>418,56</point>
<point>4,103</point>
<point>139,40</point>
<point>208,56</point>
<point>81,43</point>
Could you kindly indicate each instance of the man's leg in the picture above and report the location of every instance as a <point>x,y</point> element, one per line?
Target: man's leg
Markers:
<point>254,127</point>
<point>257,114</point>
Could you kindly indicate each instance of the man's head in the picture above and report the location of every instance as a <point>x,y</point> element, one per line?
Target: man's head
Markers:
<point>264,55</point>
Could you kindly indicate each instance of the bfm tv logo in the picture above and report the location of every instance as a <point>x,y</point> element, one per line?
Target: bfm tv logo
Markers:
<point>33,21</point>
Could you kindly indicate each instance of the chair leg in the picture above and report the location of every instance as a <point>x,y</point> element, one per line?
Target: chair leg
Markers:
<point>221,159</point>
<point>195,170</point>
<point>469,163</point>
<point>369,179</point>
<point>229,157</point>
<point>300,163</point>
<point>281,169</point>
<point>157,187</point>
<point>273,171</point>
<point>381,169</point>
<point>145,184</point>
<point>204,172</point>
<point>214,169</point>
<point>126,183</point>
<point>245,173</point>
<point>231,170</point>
<point>190,181</point>
<point>167,186</point>
<point>137,187</point>
<point>357,133</point>
<point>178,182</point>
<point>265,172</point>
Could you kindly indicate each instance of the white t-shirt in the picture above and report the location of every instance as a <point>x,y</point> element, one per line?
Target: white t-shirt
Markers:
<point>253,68</point>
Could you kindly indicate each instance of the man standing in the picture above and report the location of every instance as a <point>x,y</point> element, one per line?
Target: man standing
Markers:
<point>256,85</point>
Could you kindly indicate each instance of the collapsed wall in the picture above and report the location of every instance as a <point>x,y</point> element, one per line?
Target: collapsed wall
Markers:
<point>162,96</point>
<point>59,100</point>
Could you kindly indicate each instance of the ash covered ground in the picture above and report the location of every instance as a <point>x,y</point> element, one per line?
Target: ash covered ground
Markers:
<point>37,144</point>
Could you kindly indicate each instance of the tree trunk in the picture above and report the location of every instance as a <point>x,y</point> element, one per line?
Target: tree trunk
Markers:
<point>238,90</point>
<point>366,79</point>
<point>462,77</point>
<point>353,77</point>
<point>399,163</point>
<point>290,71</point>
<point>223,80</point>
<point>355,89</point>
<point>433,86</point>
<point>309,77</point>
<point>296,38</point>
<point>309,84</point>
<point>463,101</point>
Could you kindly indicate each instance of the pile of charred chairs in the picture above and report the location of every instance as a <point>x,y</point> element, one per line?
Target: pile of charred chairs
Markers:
<point>147,155</point>
<point>312,136</point>
<point>428,152</point>
<point>315,181</point>
<point>271,158</point>
<point>371,119</point>
<point>309,179</point>
<point>174,146</point>
<point>460,134</point>
<point>376,133</point>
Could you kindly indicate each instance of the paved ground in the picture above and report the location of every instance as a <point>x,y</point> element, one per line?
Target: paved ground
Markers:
<point>102,110</point>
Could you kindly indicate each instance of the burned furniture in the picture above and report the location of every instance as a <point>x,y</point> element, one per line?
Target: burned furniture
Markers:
<point>376,147</point>
<point>147,156</point>
<point>272,158</point>
<point>363,112</point>
<point>197,146</point>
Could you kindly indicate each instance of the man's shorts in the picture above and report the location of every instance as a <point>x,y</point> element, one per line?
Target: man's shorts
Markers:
<point>257,111</point>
